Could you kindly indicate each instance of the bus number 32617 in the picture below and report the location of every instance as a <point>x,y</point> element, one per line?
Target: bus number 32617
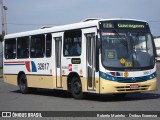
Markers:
<point>43,66</point>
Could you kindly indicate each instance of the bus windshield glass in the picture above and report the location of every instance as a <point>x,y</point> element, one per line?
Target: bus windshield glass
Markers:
<point>125,49</point>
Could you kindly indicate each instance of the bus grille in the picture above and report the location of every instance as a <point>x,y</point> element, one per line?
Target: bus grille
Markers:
<point>127,88</point>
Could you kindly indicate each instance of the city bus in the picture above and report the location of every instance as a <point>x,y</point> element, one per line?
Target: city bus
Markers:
<point>101,56</point>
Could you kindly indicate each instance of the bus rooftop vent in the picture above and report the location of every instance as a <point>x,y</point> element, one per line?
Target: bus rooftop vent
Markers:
<point>91,19</point>
<point>44,27</point>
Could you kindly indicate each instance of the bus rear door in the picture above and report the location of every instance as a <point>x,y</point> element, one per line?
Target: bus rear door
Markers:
<point>57,37</point>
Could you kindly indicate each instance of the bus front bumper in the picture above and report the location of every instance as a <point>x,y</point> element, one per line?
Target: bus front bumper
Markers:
<point>107,86</point>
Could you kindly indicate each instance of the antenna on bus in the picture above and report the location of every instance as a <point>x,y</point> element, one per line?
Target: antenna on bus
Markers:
<point>91,19</point>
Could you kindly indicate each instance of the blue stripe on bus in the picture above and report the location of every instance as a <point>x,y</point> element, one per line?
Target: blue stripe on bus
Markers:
<point>13,64</point>
<point>127,79</point>
<point>34,69</point>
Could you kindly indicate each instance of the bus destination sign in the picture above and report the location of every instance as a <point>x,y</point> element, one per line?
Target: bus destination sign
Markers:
<point>132,26</point>
<point>108,25</point>
<point>123,25</point>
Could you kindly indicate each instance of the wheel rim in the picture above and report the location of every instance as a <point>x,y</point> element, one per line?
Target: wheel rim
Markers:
<point>23,84</point>
<point>76,87</point>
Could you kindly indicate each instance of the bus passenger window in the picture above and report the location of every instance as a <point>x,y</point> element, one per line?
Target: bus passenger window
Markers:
<point>37,46</point>
<point>48,45</point>
<point>23,47</point>
<point>72,43</point>
<point>10,49</point>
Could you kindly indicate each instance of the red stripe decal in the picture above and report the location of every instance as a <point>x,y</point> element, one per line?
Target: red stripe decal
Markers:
<point>27,63</point>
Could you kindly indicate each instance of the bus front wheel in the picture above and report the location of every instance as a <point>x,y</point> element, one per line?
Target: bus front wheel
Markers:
<point>23,84</point>
<point>76,88</point>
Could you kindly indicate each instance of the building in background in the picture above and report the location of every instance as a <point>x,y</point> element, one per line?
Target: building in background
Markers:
<point>157,43</point>
<point>1,58</point>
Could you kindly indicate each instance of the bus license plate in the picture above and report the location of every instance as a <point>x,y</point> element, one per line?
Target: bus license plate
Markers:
<point>134,86</point>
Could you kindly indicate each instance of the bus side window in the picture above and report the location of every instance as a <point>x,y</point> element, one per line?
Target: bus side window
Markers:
<point>48,45</point>
<point>72,43</point>
<point>10,48</point>
<point>23,47</point>
<point>37,49</point>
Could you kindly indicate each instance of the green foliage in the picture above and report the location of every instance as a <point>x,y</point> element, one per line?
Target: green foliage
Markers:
<point>1,37</point>
<point>1,71</point>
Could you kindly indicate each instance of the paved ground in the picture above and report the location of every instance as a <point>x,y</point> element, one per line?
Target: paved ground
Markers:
<point>46,100</point>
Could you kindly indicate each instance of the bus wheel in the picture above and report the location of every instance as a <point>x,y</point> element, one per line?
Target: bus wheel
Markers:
<point>23,84</point>
<point>76,88</point>
<point>121,95</point>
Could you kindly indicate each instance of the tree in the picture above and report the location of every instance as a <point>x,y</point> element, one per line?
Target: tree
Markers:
<point>1,37</point>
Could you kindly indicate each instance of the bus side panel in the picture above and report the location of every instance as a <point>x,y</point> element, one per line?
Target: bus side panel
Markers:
<point>84,84</point>
<point>64,82</point>
<point>41,81</point>
<point>11,79</point>
<point>33,81</point>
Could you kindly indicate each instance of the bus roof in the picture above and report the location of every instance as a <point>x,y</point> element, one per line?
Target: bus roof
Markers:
<point>90,22</point>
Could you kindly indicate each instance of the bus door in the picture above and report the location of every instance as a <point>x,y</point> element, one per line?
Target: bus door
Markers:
<point>90,58</point>
<point>58,49</point>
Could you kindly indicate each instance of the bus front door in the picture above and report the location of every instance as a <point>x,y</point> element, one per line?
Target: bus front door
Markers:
<point>58,47</point>
<point>90,49</point>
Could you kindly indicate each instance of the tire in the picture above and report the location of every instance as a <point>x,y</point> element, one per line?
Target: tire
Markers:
<point>23,84</point>
<point>76,88</point>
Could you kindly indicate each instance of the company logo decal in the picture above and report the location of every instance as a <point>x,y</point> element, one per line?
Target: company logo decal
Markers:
<point>70,67</point>
<point>30,66</point>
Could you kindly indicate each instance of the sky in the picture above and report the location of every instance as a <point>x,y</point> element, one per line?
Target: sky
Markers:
<point>24,15</point>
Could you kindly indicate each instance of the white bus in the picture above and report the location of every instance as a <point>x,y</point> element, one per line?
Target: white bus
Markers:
<point>103,56</point>
<point>157,44</point>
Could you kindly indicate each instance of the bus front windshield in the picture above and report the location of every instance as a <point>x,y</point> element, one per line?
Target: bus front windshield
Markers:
<point>127,50</point>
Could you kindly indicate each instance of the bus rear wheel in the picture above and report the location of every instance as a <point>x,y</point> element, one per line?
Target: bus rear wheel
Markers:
<point>23,84</point>
<point>76,88</point>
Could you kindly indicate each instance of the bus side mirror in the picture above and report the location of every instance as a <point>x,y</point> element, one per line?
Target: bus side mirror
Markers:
<point>98,44</point>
